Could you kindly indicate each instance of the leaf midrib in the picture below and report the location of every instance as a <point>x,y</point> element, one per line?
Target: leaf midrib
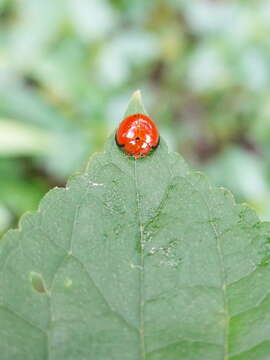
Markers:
<point>142,297</point>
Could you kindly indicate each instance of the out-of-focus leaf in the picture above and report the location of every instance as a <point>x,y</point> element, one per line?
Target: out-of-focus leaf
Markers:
<point>34,26</point>
<point>18,139</point>
<point>245,174</point>
<point>210,17</point>
<point>20,196</point>
<point>68,153</point>
<point>118,57</point>
<point>5,219</point>
<point>22,103</point>
<point>207,70</point>
<point>91,19</point>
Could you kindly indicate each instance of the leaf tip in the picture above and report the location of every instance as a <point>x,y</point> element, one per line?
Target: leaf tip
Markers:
<point>135,104</point>
<point>137,95</point>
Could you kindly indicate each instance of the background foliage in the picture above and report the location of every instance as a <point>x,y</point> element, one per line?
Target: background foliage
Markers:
<point>68,67</point>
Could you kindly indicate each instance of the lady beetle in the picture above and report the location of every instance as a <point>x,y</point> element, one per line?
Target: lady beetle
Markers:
<point>137,135</point>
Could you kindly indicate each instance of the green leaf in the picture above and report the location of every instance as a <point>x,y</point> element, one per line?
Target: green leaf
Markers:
<point>135,105</point>
<point>136,259</point>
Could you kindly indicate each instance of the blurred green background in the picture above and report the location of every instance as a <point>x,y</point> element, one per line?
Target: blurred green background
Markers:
<point>68,68</point>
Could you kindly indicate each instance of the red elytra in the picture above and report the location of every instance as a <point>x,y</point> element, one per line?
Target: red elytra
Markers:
<point>137,135</point>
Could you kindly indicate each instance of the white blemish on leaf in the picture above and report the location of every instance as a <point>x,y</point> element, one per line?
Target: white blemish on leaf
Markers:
<point>94,183</point>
